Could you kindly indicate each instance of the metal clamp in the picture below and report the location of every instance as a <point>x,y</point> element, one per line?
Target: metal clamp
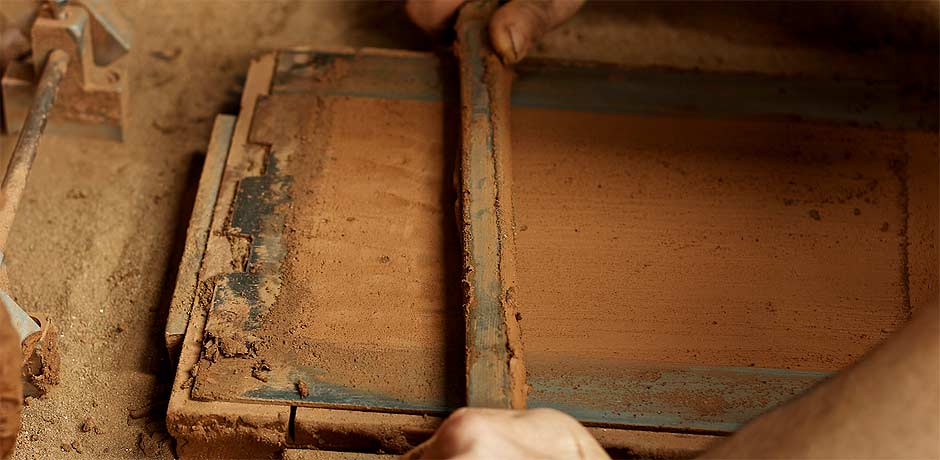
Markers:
<point>94,92</point>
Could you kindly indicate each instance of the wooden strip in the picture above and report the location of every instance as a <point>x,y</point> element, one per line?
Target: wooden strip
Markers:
<point>184,295</point>
<point>245,159</point>
<point>594,87</point>
<point>344,430</point>
<point>495,373</point>
<point>221,428</point>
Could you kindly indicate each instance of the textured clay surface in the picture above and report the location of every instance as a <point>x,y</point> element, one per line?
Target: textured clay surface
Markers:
<point>720,243</point>
<point>370,295</point>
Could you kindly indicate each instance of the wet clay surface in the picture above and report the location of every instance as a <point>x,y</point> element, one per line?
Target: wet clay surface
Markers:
<point>718,243</point>
<point>373,256</point>
<point>369,304</point>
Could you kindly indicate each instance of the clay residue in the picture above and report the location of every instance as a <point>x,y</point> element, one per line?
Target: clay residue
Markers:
<point>499,82</point>
<point>214,430</point>
<point>225,332</point>
<point>370,299</point>
<point>704,242</point>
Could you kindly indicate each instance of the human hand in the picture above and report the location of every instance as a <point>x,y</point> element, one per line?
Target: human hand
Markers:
<point>483,434</point>
<point>13,41</point>
<point>514,27</point>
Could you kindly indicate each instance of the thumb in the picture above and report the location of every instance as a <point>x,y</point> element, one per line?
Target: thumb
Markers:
<point>517,25</point>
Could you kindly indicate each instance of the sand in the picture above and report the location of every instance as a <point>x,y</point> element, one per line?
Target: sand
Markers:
<point>704,242</point>
<point>95,242</point>
<point>371,296</point>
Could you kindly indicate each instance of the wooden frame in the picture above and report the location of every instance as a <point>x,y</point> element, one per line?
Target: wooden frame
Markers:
<point>263,422</point>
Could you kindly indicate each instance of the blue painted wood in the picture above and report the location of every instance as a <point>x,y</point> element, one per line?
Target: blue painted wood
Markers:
<point>490,381</point>
<point>714,399</point>
<point>327,394</point>
<point>616,89</point>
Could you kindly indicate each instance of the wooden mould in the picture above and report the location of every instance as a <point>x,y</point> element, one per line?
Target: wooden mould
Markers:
<point>691,249</point>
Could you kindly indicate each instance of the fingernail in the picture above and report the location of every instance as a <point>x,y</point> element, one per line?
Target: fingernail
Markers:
<point>516,40</point>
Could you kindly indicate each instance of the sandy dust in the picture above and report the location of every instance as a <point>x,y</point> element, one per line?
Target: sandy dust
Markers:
<point>372,251</point>
<point>667,240</point>
<point>95,241</point>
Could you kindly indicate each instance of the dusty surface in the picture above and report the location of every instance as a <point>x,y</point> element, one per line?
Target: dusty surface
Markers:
<point>665,240</point>
<point>369,294</point>
<point>372,251</point>
<point>94,243</point>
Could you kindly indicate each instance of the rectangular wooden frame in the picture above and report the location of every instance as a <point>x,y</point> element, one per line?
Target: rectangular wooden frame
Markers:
<point>267,425</point>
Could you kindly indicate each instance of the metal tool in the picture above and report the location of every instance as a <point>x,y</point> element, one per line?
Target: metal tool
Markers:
<point>38,344</point>
<point>94,90</point>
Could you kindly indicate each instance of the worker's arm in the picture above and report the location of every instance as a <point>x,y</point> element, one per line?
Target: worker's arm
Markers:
<point>885,406</point>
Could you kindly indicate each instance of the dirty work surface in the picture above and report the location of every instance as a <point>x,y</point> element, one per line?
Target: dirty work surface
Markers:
<point>683,282</point>
<point>93,241</point>
<point>369,308</point>
<point>710,242</point>
<point>719,265</point>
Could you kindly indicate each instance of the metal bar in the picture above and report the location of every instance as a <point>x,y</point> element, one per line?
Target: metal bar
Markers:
<point>27,144</point>
<point>494,366</point>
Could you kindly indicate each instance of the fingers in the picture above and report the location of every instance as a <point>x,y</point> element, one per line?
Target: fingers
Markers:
<point>454,437</point>
<point>517,25</point>
<point>478,434</point>
<point>432,15</point>
<point>514,28</point>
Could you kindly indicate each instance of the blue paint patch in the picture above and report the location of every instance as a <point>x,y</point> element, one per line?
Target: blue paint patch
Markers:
<point>338,396</point>
<point>694,398</point>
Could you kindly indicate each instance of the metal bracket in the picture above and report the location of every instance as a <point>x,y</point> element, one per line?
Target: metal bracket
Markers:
<point>91,94</point>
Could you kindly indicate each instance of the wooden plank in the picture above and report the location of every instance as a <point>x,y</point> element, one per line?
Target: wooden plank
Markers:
<point>197,234</point>
<point>552,84</point>
<point>495,372</point>
<point>206,429</point>
<point>344,430</point>
<point>698,399</point>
